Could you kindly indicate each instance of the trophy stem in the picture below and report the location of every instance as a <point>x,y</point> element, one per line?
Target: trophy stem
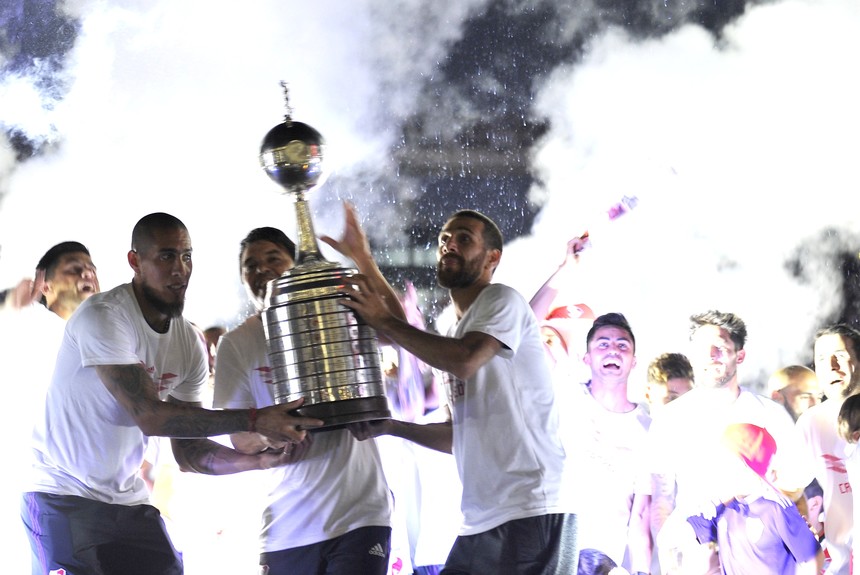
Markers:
<point>308,249</point>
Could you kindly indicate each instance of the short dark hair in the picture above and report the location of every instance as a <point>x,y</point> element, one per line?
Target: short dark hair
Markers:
<point>143,233</point>
<point>849,417</point>
<point>846,332</point>
<point>610,319</point>
<point>730,322</point>
<point>668,366</point>
<point>49,261</point>
<point>492,235</point>
<point>268,234</point>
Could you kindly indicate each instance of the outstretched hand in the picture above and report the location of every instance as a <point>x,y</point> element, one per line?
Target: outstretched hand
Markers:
<point>353,244</point>
<point>577,245</point>
<point>278,423</point>
<point>363,430</point>
<point>366,302</point>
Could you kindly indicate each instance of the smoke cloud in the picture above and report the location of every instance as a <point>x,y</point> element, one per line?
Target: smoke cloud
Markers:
<point>734,127</point>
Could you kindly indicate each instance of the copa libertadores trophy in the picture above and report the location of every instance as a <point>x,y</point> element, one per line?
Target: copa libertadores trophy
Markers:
<point>318,349</point>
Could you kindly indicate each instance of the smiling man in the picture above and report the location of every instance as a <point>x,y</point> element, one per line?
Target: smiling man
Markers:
<point>609,434</point>
<point>835,354</point>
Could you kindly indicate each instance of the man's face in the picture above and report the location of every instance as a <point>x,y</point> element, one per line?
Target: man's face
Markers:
<point>263,261</point>
<point>610,353</point>
<point>462,256</point>
<point>714,357</point>
<point>164,268</point>
<point>74,280</point>
<point>800,394</point>
<point>835,362</point>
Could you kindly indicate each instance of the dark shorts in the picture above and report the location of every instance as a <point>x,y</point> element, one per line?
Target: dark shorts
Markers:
<point>543,545</point>
<point>364,550</point>
<point>87,537</point>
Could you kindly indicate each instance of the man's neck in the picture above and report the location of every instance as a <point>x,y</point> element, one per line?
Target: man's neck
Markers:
<point>464,297</point>
<point>611,395</point>
<point>158,321</point>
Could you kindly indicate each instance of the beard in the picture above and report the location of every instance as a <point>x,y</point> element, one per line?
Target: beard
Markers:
<point>466,275</point>
<point>168,308</point>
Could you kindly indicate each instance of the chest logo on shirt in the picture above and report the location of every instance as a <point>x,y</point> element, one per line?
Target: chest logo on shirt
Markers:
<point>834,463</point>
<point>265,374</point>
<point>454,388</point>
<point>162,382</point>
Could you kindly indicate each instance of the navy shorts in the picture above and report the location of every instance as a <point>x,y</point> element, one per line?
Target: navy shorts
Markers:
<point>542,545</point>
<point>364,550</point>
<point>87,537</point>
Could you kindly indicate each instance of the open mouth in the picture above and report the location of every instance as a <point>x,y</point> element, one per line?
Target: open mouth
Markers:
<point>612,363</point>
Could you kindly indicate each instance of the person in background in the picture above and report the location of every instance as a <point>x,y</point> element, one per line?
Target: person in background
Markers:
<point>683,439</point>
<point>849,430</point>
<point>131,366</point>
<point>835,355</point>
<point>31,329</point>
<point>669,376</point>
<point>516,516</point>
<point>796,388</point>
<point>757,529</point>
<point>605,449</point>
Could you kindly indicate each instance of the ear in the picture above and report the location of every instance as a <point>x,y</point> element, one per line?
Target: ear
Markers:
<point>134,261</point>
<point>493,259</point>
<point>741,355</point>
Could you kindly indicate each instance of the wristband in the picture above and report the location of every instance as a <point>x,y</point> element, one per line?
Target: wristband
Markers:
<point>252,420</point>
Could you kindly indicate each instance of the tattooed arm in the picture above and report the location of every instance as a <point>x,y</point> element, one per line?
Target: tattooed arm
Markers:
<point>211,458</point>
<point>132,387</point>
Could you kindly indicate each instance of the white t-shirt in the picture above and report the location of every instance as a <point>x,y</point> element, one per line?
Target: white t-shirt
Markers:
<point>825,454</point>
<point>505,424</point>
<point>29,340</point>
<point>86,443</point>
<point>338,487</point>
<point>606,465</point>
<point>686,439</point>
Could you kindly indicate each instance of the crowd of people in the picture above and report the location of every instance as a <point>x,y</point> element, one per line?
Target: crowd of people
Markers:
<point>515,445</point>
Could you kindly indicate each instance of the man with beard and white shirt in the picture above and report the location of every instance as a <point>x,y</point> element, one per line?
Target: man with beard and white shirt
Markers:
<point>835,355</point>
<point>684,438</point>
<point>329,509</point>
<point>129,367</point>
<point>503,425</point>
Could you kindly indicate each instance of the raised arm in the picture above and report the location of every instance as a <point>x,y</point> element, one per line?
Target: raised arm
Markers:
<point>355,246</point>
<point>541,302</point>
<point>132,387</point>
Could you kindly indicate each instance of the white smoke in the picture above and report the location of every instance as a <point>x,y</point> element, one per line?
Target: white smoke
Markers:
<point>168,105</point>
<point>740,152</point>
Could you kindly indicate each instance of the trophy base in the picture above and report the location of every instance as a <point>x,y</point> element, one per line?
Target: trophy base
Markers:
<point>337,414</point>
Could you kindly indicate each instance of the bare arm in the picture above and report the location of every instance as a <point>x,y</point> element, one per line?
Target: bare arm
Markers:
<point>211,458</point>
<point>639,538</point>
<point>541,302</point>
<point>461,357</point>
<point>662,500</point>
<point>132,387</point>
<point>438,436</point>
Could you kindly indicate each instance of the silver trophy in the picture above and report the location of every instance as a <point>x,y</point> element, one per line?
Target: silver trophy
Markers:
<point>318,349</point>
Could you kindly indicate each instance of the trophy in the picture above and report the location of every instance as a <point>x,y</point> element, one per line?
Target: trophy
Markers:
<point>318,349</point>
